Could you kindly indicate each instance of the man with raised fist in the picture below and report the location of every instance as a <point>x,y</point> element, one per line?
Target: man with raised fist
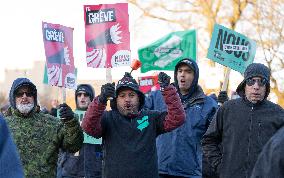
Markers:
<point>128,132</point>
<point>180,151</point>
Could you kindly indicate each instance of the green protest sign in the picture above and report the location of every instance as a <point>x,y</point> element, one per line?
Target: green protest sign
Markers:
<point>164,53</point>
<point>231,49</point>
<point>87,138</point>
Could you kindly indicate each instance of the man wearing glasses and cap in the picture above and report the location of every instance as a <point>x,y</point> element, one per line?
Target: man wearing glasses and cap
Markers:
<point>242,126</point>
<point>39,136</point>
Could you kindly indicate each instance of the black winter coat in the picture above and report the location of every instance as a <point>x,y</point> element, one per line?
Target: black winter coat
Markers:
<point>270,162</point>
<point>242,129</point>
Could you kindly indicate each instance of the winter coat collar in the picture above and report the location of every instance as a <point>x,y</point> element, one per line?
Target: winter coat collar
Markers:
<point>247,102</point>
<point>196,98</point>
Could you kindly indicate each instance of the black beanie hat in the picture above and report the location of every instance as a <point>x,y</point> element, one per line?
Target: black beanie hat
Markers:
<point>255,70</point>
<point>85,88</point>
<point>128,81</point>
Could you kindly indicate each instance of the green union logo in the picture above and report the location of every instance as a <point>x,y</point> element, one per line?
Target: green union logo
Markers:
<point>143,123</point>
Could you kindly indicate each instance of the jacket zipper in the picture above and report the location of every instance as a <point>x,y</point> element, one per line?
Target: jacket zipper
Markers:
<point>250,129</point>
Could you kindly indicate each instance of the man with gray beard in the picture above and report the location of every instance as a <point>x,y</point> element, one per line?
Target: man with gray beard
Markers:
<point>39,136</point>
<point>25,108</point>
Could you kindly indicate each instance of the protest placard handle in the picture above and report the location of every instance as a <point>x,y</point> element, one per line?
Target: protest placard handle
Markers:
<point>109,78</point>
<point>63,90</point>
<point>226,79</point>
<point>108,75</point>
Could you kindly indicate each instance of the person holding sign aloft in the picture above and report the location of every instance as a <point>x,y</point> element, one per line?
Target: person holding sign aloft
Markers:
<point>88,161</point>
<point>128,132</point>
<point>39,136</point>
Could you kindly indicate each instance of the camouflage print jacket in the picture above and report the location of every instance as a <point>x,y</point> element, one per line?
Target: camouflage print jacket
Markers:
<point>38,137</point>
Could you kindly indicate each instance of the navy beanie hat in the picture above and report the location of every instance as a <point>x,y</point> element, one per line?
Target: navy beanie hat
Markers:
<point>85,88</point>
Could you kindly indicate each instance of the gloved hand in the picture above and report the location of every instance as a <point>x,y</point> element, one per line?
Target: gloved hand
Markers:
<point>163,80</point>
<point>222,97</point>
<point>65,112</point>
<point>107,92</point>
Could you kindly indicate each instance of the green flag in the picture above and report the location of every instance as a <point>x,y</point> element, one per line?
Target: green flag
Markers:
<point>164,53</point>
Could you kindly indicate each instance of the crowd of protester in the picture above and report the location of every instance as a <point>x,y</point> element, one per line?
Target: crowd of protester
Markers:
<point>175,132</point>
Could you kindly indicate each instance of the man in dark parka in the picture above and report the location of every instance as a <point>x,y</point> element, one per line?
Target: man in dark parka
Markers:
<point>242,126</point>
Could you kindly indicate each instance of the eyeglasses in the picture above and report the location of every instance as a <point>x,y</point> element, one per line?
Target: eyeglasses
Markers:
<point>20,94</point>
<point>260,82</point>
<point>84,94</point>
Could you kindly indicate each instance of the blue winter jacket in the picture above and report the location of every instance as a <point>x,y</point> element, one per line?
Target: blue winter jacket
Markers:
<point>10,165</point>
<point>179,151</point>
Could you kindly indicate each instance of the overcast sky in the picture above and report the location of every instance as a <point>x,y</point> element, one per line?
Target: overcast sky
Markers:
<point>21,34</point>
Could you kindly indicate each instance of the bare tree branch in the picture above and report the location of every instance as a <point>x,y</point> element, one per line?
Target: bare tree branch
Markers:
<point>265,24</point>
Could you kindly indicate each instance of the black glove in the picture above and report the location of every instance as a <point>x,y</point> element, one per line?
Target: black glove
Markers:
<point>65,112</point>
<point>222,97</point>
<point>163,80</point>
<point>107,92</point>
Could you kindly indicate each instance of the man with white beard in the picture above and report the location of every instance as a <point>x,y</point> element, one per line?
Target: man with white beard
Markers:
<point>39,136</point>
<point>24,105</point>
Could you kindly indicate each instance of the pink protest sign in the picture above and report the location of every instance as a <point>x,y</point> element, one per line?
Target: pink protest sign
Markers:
<point>107,35</point>
<point>148,83</point>
<point>58,44</point>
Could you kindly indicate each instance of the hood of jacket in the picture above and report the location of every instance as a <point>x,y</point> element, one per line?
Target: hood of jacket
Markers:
<point>194,85</point>
<point>255,70</point>
<point>19,82</point>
